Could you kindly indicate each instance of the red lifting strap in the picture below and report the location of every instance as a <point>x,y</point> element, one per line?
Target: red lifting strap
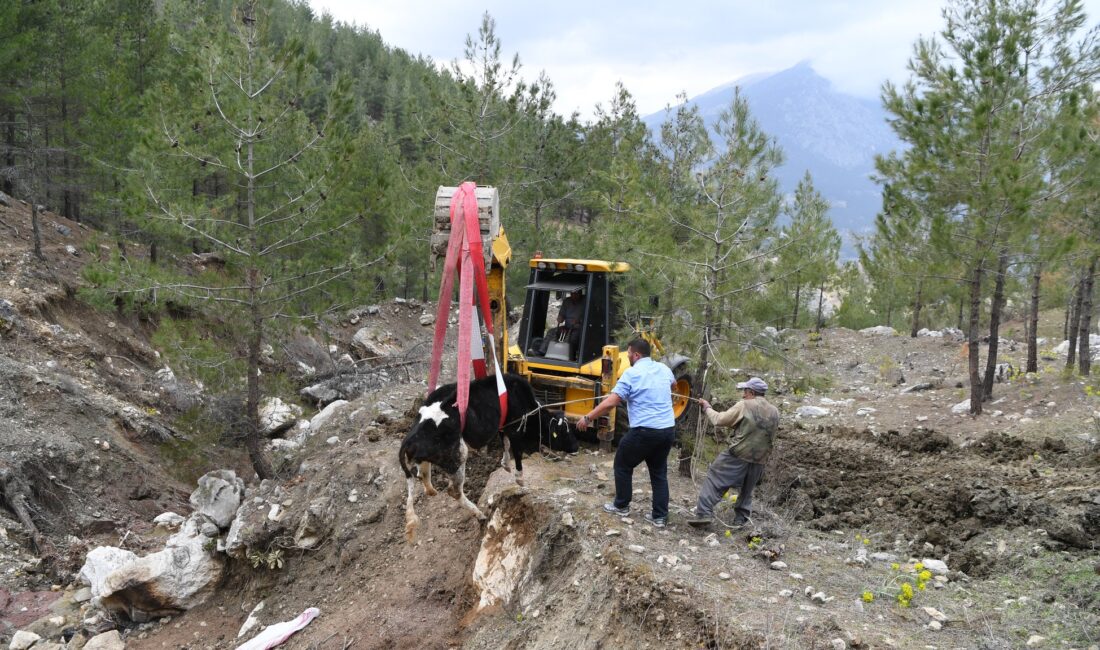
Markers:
<point>465,255</point>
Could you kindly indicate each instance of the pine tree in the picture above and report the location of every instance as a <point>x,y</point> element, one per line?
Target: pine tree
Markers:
<point>973,113</point>
<point>809,247</point>
<point>236,163</point>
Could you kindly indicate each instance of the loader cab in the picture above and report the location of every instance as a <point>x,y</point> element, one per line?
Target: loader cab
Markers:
<point>559,286</point>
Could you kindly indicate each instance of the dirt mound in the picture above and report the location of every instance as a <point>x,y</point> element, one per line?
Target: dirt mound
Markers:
<point>927,490</point>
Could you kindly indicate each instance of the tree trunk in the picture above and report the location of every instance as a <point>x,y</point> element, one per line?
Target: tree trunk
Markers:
<point>995,325</point>
<point>1033,321</point>
<point>1074,321</point>
<point>797,298</point>
<point>820,306</point>
<point>917,304</point>
<point>962,302</point>
<point>9,157</point>
<point>37,231</point>
<point>972,341</point>
<point>255,340</point>
<point>1084,352</point>
<point>686,434</point>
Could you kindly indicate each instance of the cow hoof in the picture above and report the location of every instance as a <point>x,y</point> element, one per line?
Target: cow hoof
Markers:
<point>519,481</point>
<point>430,491</point>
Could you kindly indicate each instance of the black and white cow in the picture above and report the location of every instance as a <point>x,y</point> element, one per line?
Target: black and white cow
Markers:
<point>436,440</point>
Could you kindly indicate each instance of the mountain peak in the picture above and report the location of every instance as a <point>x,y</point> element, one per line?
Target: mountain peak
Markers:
<point>833,135</point>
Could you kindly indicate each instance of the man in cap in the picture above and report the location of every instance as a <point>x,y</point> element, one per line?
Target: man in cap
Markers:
<point>754,423</point>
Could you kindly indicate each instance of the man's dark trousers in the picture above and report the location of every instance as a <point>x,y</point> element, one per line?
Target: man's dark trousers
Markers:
<point>651,446</point>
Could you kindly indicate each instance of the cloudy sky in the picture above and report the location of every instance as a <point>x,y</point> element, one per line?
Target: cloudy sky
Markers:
<point>658,49</point>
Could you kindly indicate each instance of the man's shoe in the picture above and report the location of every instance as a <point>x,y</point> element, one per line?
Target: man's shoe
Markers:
<point>615,510</point>
<point>658,522</point>
<point>700,521</point>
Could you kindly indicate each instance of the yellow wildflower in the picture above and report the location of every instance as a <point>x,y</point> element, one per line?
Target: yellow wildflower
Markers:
<point>907,590</point>
<point>920,585</point>
<point>868,596</point>
<point>925,575</point>
<point>919,566</point>
<point>895,566</point>
<point>729,534</point>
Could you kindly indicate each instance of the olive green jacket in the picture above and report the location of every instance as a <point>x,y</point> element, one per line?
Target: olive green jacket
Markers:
<point>754,423</point>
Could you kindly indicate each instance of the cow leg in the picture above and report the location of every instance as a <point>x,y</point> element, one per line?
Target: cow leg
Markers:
<point>517,454</point>
<point>460,482</point>
<point>507,451</point>
<point>411,520</point>
<point>426,479</point>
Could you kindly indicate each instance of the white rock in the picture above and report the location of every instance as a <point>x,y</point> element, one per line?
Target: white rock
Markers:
<point>778,565</point>
<point>937,567</point>
<point>567,519</point>
<point>100,563</point>
<point>252,621</point>
<point>326,414</point>
<point>962,407</point>
<point>834,402</point>
<point>786,593</point>
<point>820,597</point>
<point>935,614</point>
<point>218,496</point>
<point>159,584</point>
<point>636,548</point>
<point>23,640</point>
<point>670,560</point>
<point>838,644</point>
<point>106,641</point>
<point>426,319</point>
<point>879,330</point>
<point>811,411</point>
<point>795,576</point>
<point>284,444</point>
<point>1034,641</point>
<point>613,533</point>
<point>276,415</point>
<point>865,411</point>
<point>169,520</point>
<point>333,440</point>
<point>935,626</point>
<point>724,576</point>
<point>165,375</point>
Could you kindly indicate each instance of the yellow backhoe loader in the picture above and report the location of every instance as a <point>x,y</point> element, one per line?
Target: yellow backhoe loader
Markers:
<point>574,365</point>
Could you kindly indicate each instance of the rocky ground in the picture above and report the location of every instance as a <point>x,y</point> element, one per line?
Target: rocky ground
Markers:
<point>1003,510</point>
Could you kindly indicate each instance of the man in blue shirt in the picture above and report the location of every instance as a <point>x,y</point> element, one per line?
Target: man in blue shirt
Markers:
<point>646,389</point>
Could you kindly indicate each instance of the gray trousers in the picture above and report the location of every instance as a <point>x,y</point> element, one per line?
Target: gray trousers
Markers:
<point>729,473</point>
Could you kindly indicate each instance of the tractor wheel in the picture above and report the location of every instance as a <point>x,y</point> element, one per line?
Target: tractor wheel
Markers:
<point>681,390</point>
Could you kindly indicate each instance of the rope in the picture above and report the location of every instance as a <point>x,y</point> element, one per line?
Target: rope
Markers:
<point>523,418</point>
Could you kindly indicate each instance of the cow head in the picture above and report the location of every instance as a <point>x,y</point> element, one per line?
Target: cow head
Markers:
<point>558,433</point>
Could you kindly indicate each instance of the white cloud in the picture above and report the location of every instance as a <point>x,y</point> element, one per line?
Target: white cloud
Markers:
<point>658,49</point>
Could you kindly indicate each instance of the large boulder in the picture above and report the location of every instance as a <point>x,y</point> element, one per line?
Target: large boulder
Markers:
<point>374,343</point>
<point>276,415</point>
<point>100,563</point>
<point>879,330</point>
<point>319,420</point>
<point>169,581</point>
<point>218,496</point>
<point>106,641</point>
